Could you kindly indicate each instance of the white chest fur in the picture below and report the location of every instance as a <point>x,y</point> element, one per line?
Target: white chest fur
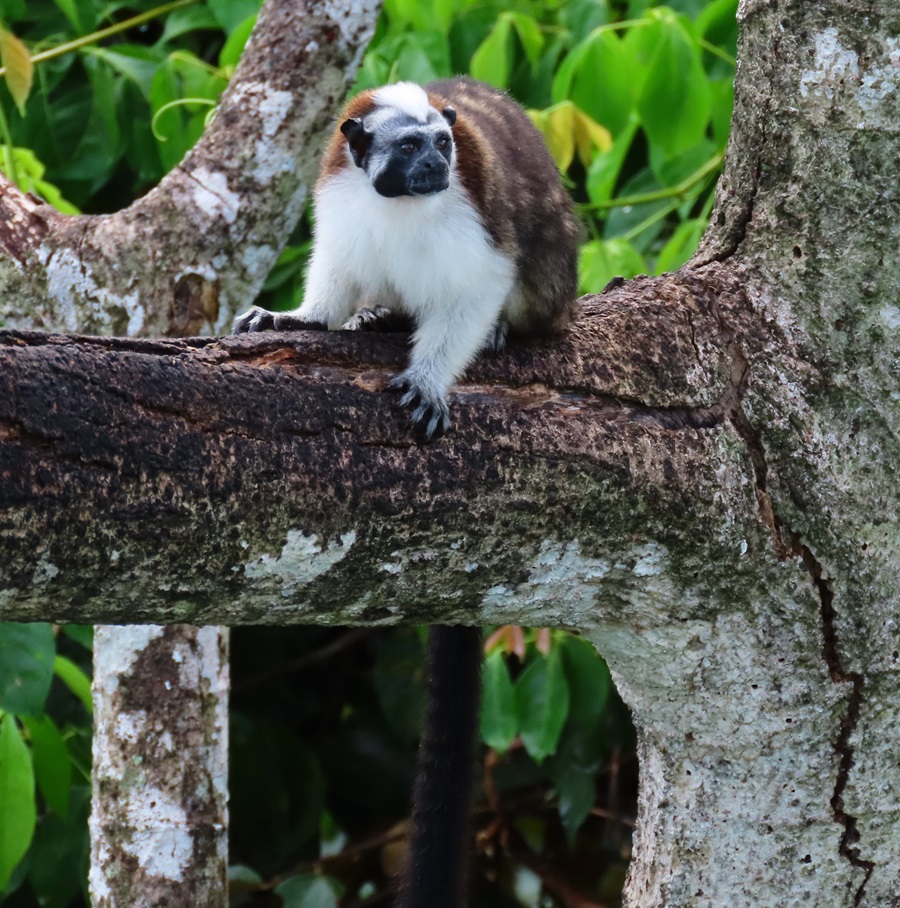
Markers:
<point>421,251</point>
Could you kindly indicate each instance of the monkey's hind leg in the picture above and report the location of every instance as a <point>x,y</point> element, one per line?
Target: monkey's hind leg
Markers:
<point>328,301</point>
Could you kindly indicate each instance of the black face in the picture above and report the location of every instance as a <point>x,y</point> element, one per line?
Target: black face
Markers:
<point>417,163</point>
<point>403,156</point>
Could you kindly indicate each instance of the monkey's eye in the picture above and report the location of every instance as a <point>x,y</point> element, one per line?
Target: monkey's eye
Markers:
<point>408,147</point>
<point>442,143</point>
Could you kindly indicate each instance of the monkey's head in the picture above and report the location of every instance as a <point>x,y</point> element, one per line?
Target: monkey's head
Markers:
<point>404,146</point>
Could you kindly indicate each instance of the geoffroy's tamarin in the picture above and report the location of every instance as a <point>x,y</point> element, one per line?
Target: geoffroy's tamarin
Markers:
<point>441,207</point>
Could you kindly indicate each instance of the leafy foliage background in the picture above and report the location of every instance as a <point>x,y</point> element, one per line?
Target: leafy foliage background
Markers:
<point>100,100</point>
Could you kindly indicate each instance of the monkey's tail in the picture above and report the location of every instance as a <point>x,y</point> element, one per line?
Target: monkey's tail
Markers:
<point>439,846</point>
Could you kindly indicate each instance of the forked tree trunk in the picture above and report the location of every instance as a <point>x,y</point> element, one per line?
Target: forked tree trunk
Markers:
<point>159,820</point>
<point>700,477</point>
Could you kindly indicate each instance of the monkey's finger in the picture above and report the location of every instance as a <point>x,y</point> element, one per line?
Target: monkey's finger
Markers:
<point>397,384</point>
<point>431,418</point>
<point>254,319</point>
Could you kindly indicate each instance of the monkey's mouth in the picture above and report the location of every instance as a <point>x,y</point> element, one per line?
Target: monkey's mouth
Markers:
<point>428,183</point>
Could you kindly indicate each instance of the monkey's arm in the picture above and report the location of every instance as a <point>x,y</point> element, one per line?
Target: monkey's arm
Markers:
<point>328,302</point>
<point>258,319</point>
<point>448,337</point>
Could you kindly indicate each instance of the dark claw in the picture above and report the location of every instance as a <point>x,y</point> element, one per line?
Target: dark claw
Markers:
<point>254,319</point>
<point>430,418</point>
<point>398,383</point>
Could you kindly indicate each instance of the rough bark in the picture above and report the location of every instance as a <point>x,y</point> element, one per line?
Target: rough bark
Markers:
<point>700,477</point>
<point>198,246</point>
<point>159,818</point>
<point>230,476</point>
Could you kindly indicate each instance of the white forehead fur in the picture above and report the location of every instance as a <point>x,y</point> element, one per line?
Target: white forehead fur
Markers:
<point>407,97</point>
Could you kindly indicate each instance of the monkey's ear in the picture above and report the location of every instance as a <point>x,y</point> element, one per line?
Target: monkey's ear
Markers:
<point>357,138</point>
<point>449,115</point>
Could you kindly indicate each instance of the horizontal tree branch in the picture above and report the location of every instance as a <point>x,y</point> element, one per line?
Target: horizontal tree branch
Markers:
<point>272,478</point>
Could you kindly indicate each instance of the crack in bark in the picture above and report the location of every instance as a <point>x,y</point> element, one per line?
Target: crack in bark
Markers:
<point>848,847</point>
<point>755,450</point>
<point>693,330</point>
<point>839,675</point>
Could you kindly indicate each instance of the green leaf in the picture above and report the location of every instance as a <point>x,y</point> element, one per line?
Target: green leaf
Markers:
<point>722,107</point>
<point>399,676</point>
<point>542,704</point>
<point>13,10</point>
<point>15,57</point>
<point>623,219</point>
<point>52,764</point>
<point>75,679</point>
<point>530,36</point>
<point>599,261</point>
<point>681,245</point>
<point>232,13</point>
<point>717,23</point>
<point>241,874</point>
<point>237,41</point>
<point>182,85</point>
<point>582,16</point>
<point>672,170</point>
<point>599,77</point>
<point>674,102</point>
<point>587,676</point>
<point>603,173</point>
<point>421,57</point>
<point>491,62</point>
<point>101,145</point>
<point>577,791</point>
<point>185,21</point>
<point>405,14</point>
<point>58,858</point>
<point>26,667</point>
<point>30,172</point>
<point>80,633</point>
<point>498,711</point>
<point>308,891</point>
<point>81,13</point>
<point>17,808</point>
<point>139,64</point>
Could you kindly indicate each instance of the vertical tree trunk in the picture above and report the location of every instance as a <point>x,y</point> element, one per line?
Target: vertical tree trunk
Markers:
<point>768,708</point>
<point>160,777</point>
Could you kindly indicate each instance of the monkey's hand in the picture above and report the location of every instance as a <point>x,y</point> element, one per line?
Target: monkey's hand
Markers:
<point>430,412</point>
<point>257,319</point>
<point>378,318</point>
